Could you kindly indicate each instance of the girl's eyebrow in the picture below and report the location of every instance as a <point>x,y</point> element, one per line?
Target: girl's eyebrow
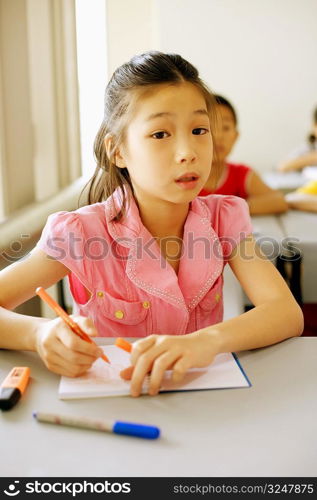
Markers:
<point>166,113</point>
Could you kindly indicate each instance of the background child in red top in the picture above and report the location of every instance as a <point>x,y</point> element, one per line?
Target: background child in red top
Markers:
<point>239,180</point>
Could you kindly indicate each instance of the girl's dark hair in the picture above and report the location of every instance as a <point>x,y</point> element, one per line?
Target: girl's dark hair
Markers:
<point>127,84</point>
<point>222,101</point>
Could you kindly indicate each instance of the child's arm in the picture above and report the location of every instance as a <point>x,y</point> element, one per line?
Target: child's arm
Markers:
<point>302,161</point>
<point>275,317</point>
<point>302,201</point>
<point>262,199</point>
<point>61,350</point>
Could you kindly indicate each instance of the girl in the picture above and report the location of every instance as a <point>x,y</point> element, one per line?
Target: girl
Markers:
<point>237,179</point>
<point>147,256</point>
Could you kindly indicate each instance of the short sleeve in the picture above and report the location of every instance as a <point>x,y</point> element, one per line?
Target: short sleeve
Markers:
<point>63,239</point>
<point>241,176</point>
<point>234,223</point>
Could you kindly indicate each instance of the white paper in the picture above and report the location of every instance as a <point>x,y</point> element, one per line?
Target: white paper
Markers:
<point>104,380</point>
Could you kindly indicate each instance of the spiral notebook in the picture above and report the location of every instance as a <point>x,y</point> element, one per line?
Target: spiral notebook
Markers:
<point>103,380</point>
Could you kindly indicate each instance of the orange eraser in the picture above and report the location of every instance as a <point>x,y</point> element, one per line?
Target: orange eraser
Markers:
<point>123,344</point>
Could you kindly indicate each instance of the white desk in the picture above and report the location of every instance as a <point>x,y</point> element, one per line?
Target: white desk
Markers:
<point>285,182</point>
<point>301,227</point>
<point>269,429</point>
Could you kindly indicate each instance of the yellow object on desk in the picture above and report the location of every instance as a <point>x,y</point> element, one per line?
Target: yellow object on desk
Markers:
<point>309,188</point>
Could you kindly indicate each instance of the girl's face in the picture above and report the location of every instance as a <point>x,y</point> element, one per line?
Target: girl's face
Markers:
<point>168,146</point>
<point>225,133</point>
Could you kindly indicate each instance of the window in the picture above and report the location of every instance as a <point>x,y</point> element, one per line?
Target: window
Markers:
<point>40,152</point>
<point>51,102</point>
<point>92,74</point>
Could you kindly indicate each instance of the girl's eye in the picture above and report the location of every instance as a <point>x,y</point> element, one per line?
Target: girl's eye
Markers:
<point>159,135</point>
<point>200,131</point>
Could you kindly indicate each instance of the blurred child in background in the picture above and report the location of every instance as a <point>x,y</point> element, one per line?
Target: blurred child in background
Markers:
<point>237,179</point>
<point>304,156</point>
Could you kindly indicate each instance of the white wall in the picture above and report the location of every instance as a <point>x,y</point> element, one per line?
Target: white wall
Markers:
<point>129,29</point>
<point>260,54</point>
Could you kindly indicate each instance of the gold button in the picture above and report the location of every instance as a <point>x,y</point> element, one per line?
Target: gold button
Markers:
<point>100,294</point>
<point>119,314</point>
<point>217,297</point>
<point>146,305</point>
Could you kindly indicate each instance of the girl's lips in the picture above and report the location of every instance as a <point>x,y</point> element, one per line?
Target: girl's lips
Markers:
<point>190,176</point>
<point>189,182</point>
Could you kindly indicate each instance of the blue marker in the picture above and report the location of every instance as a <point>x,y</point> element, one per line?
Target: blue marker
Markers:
<point>127,428</point>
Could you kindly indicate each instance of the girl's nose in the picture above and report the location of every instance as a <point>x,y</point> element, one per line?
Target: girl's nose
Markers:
<point>186,155</point>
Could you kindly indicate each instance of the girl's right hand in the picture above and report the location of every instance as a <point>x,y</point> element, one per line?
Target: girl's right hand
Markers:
<point>155,354</point>
<point>62,351</point>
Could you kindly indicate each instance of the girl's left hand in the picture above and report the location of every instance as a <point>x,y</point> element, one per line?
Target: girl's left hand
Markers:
<point>158,353</point>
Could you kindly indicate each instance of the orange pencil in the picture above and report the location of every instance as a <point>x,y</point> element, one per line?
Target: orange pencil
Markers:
<point>68,320</point>
<point>123,344</point>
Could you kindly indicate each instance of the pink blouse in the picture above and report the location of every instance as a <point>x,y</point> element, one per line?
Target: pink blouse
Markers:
<point>134,291</point>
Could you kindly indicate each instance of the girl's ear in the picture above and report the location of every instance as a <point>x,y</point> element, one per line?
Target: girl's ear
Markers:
<point>118,158</point>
